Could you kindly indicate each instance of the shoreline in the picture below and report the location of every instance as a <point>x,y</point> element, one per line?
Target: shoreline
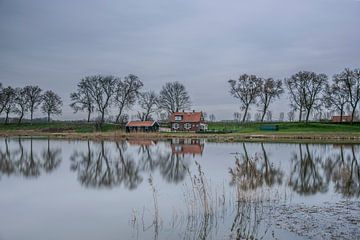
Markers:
<point>352,138</point>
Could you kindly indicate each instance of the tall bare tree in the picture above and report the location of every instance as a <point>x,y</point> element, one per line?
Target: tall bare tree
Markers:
<point>126,93</point>
<point>4,98</point>
<point>335,96</point>
<point>174,97</point>
<point>305,90</point>
<point>9,95</point>
<point>51,104</point>
<point>148,102</point>
<point>21,103</point>
<point>246,89</point>
<point>269,91</point>
<point>350,79</point>
<point>101,90</point>
<point>81,100</point>
<point>34,98</point>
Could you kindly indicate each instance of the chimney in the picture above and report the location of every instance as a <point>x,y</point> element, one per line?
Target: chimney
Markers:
<point>193,111</point>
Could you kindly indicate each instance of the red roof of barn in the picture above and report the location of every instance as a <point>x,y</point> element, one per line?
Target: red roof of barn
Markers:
<point>187,116</point>
<point>140,123</point>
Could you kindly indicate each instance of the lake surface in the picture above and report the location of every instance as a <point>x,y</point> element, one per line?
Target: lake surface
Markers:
<point>177,189</point>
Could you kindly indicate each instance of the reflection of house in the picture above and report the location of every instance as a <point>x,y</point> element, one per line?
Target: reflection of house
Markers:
<point>338,119</point>
<point>187,146</point>
<point>142,126</point>
<point>187,121</point>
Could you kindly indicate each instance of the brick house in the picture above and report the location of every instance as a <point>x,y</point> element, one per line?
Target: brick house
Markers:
<point>345,118</point>
<point>187,121</point>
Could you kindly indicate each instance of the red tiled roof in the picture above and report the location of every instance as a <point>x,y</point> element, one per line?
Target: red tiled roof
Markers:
<point>140,123</point>
<point>186,116</point>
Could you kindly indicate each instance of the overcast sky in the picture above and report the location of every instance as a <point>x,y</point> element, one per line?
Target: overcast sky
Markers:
<point>201,43</point>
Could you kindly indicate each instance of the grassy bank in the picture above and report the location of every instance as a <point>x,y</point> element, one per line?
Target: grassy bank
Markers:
<point>59,127</point>
<point>228,132</point>
<point>287,127</point>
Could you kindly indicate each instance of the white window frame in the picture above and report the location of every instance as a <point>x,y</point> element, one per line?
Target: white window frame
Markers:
<point>175,126</point>
<point>178,118</point>
<point>187,126</point>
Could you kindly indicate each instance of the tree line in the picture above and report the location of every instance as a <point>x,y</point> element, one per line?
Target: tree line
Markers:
<point>307,91</point>
<point>23,100</point>
<point>102,93</point>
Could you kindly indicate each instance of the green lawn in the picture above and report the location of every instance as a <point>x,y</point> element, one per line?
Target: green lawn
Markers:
<point>287,127</point>
<point>225,127</point>
<point>59,126</point>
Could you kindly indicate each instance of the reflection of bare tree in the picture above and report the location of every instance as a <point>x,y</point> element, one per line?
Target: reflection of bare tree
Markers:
<point>173,168</point>
<point>306,176</point>
<point>271,175</point>
<point>252,172</point>
<point>51,157</point>
<point>97,167</point>
<point>127,169</point>
<point>26,162</point>
<point>344,171</point>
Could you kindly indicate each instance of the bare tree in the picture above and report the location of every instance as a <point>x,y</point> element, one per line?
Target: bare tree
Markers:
<point>148,102</point>
<point>212,117</point>
<point>81,100</point>
<point>174,97</point>
<point>335,96</point>
<point>34,98</point>
<point>257,117</point>
<point>305,89</point>
<point>21,103</point>
<point>350,79</point>
<point>237,116</point>
<point>51,104</point>
<point>5,97</point>
<point>248,117</point>
<point>126,93</point>
<point>246,89</point>
<point>269,116</point>
<point>281,116</point>
<point>101,90</point>
<point>269,91</point>
<point>9,95</point>
<point>291,116</point>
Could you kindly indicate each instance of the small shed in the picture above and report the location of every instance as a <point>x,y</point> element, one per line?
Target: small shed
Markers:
<point>142,126</point>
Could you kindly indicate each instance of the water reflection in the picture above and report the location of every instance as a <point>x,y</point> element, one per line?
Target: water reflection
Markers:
<point>17,159</point>
<point>309,170</point>
<point>307,175</point>
<point>98,166</point>
<point>251,172</point>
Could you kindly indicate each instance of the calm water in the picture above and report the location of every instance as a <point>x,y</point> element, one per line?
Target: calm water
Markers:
<point>177,189</point>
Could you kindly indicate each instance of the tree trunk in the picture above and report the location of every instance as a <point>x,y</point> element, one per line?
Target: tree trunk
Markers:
<point>7,118</point>
<point>307,116</point>
<point>31,116</point>
<point>88,118</point>
<point>300,113</point>
<point>21,117</point>
<point>245,113</point>
<point>263,114</point>
<point>48,117</point>
<point>353,114</point>
<point>341,114</point>
<point>119,115</point>
<point>102,116</point>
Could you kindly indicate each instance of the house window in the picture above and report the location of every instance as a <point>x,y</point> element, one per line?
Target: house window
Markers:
<point>187,126</point>
<point>175,126</point>
<point>178,118</point>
